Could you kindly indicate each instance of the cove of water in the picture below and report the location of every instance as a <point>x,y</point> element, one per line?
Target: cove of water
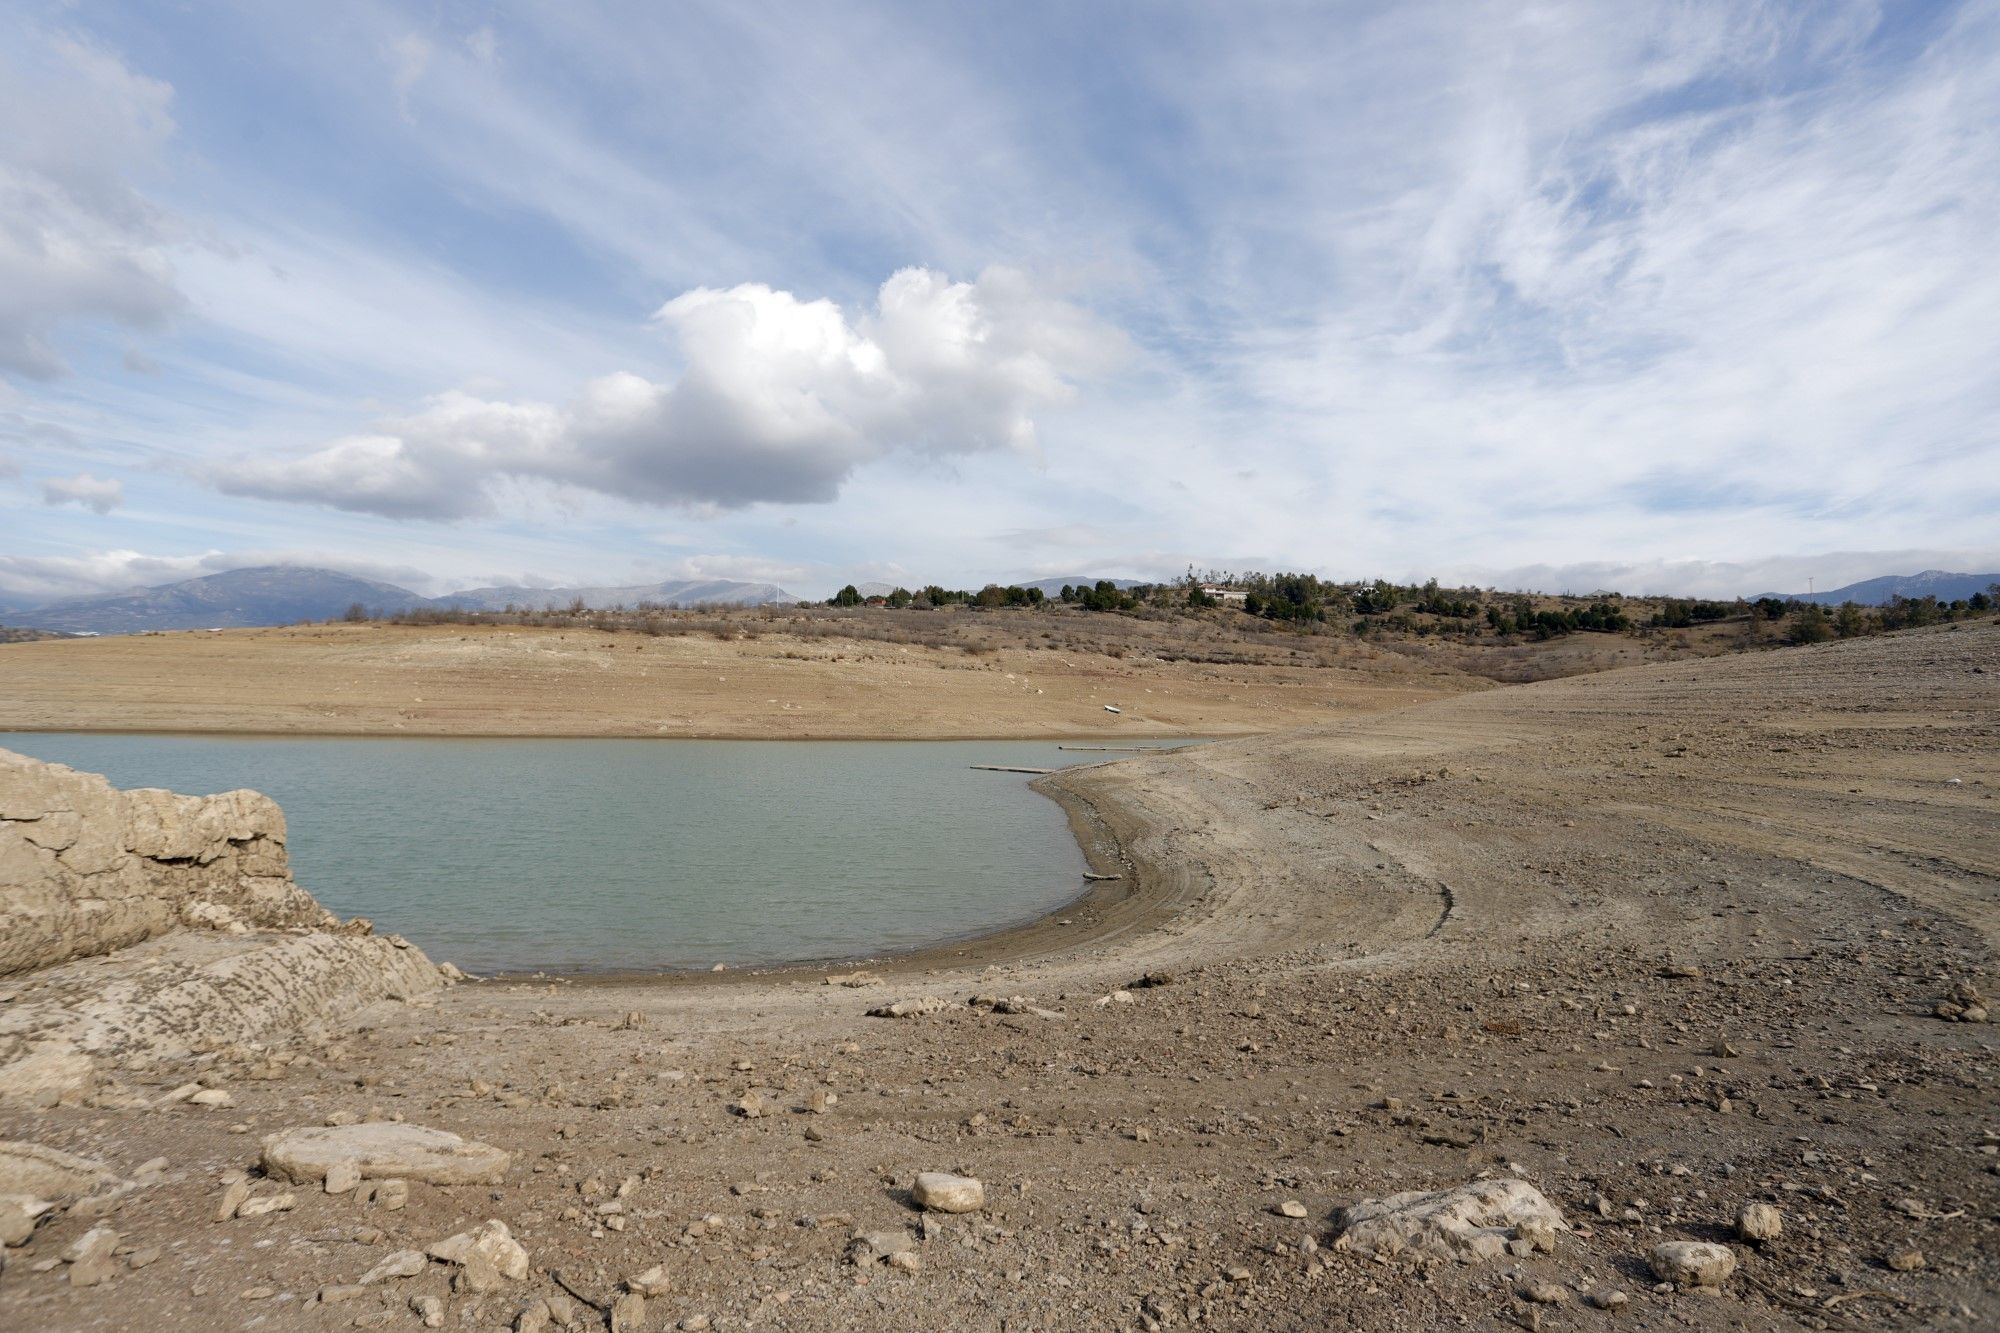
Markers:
<point>639,855</point>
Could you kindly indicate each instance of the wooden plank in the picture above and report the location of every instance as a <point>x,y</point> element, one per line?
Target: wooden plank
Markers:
<point>1009,768</point>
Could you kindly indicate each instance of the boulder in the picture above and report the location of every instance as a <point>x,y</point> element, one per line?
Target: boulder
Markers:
<point>942,1192</point>
<point>1693,1263</point>
<point>306,1154</point>
<point>1470,1223</point>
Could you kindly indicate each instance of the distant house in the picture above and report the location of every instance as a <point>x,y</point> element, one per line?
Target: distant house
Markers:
<point>1226,596</point>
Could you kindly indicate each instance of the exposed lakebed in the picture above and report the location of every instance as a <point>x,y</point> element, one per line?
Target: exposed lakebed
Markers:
<point>610,855</point>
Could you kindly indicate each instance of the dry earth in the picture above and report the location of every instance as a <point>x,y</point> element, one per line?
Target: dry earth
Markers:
<point>1662,942</point>
<point>456,680</point>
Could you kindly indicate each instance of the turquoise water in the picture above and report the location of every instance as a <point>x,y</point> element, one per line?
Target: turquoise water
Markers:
<point>609,855</point>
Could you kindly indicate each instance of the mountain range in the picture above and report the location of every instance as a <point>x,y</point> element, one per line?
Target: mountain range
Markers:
<point>286,594</point>
<point>1938,583</point>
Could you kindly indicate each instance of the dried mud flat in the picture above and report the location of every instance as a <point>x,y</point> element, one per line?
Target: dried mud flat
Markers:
<point>1661,942</point>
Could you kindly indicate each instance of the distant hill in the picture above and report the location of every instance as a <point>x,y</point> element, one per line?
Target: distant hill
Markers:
<point>1938,583</point>
<point>269,595</point>
<point>1051,587</point>
<point>684,592</point>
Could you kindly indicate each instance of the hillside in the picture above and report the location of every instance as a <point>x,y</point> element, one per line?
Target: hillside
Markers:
<point>681,592</point>
<point>269,595</point>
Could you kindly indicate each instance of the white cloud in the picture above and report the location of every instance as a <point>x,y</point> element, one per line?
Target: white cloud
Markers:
<point>780,399</point>
<point>77,242</point>
<point>98,494</point>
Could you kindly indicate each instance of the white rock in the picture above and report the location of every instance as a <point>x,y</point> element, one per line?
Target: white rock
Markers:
<point>1760,1221</point>
<point>17,1217</point>
<point>652,1282</point>
<point>342,1177</point>
<point>403,1263</point>
<point>1470,1223</point>
<point>270,1203</point>
<point>1693,1263</point>
<point>491,1243</point>
<point>917,1008</point>
<point>942,1192</point>
<point>304,1155</point>
<point>89,1257</point>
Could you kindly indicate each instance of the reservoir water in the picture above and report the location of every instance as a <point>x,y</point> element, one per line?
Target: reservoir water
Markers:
<point>614,855</point>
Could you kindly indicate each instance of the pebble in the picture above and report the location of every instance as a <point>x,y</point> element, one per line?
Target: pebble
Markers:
<point>1906,1260</point>
<point>1610,1299</point>
<point>1291,1208</point>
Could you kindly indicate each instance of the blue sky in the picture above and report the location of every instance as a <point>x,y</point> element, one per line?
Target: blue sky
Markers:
<point>1690,297</point>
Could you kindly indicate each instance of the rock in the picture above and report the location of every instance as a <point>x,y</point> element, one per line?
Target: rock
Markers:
<point>390,1195</point>
<point>18,1215</point>
<point>1152,979</point>
<point>31,1170</point>
<point>534,1319</point>
<point>1290,1208</point>
<point>1470,1223</point>
<point>1693,1263</point>
<point>1905,1260</point>
<point>652,1282</point>
<point>1962,1004</point>
<point>403,1263</point>
<point>339,1293</point>
<point>942,1192</point>
<point>451,972</point>
<point>90,871</point>
<point>868,1248</point>
<point>908,1261</point>
<point>854,980</point>
<point>380,1150</point>
<point>490,1243</point>
<point>752,1105</point>
<point>820,1100</point>
<point>628,1313</point>
<point>342,1177</point>
<point>1545,1293</point>
<point>429,1309</point>
<point>1609,1298</point>
<point>89,1257</point>
<point>270,1203</point>
<point>1759,1222</point>
<point>929,1004</point>
<point>233,1197</point>
<point>214,1097</point>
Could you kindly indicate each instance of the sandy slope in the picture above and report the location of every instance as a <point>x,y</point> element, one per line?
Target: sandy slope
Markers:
<point>1662,941</point>
<point>485,681</point>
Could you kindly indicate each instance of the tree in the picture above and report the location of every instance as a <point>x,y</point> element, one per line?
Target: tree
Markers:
<point>356,613</point>
<point>1810,624</point>
<point>847,596</point>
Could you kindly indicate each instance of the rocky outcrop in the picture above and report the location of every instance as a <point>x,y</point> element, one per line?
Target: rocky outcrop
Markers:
<point>86,868</point>
<point>144,926</point>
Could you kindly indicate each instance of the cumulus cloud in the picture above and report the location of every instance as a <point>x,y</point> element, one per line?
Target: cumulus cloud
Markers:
<point>100,494</point>
<point>779,400</point>
<point>76,240</point>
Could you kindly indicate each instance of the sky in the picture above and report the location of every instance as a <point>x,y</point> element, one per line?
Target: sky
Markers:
<point>1698,298</point>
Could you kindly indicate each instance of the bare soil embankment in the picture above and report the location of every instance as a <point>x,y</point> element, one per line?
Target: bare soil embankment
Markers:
<point>1664,942</point>
<point>485,681</point>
